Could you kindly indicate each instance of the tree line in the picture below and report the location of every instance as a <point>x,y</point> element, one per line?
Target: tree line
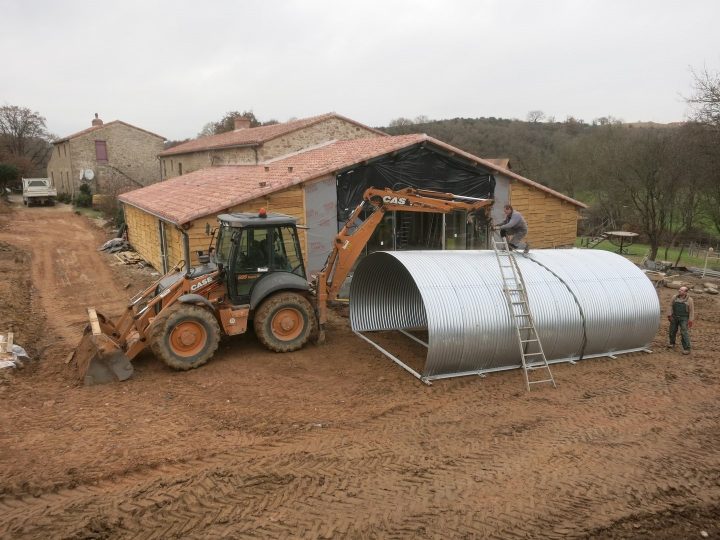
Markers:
<point>660,180</point>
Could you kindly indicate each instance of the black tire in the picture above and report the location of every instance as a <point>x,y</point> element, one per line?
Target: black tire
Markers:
<point>284,322</point>
<point>185,336</point>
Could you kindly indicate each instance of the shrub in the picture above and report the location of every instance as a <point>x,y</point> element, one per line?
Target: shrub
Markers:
<point>84,198</point>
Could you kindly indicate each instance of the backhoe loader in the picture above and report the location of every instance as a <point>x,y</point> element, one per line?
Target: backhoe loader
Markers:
<point>253,274</point>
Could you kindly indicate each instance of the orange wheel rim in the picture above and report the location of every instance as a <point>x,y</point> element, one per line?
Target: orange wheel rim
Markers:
<point>188,338</point>
<point>287,324</point>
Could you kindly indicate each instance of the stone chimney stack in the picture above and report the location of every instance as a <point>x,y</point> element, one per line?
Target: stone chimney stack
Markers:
<point>241,122</point>
<point>96,121</point>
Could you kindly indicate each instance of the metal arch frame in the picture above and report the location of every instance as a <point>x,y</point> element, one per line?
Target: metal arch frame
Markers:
<point>482,336</point>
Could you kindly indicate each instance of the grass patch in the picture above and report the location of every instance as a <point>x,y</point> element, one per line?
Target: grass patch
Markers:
<point>89,212</point>
<point>636,252</point>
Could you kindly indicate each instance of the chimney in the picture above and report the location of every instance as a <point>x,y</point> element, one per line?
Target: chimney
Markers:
<point>241,122</point>
<point>96,121</point>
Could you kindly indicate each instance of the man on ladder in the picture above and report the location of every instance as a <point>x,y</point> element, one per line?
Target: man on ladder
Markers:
<point>532,354</point>
<point>515,226</point>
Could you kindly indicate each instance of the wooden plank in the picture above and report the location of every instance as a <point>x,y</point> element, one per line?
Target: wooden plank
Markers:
<point>94,322</point>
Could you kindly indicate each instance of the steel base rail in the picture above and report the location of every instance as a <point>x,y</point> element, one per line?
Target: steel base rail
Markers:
<point>395,359</point>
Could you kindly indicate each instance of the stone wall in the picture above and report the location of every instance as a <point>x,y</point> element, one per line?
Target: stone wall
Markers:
<point>59,168</point>
<point>194,161</point>
<point>132,158</point>
<point>327,130</point>
<point>324,131</point>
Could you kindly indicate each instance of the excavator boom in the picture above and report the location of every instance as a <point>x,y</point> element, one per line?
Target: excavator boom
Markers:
<point>352,239</point>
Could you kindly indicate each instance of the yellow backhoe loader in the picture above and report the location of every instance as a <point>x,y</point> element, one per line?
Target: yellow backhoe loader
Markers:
<point>253,274</point>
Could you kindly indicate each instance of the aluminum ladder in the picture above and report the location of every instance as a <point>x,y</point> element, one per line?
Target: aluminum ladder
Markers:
<point>534,363</point>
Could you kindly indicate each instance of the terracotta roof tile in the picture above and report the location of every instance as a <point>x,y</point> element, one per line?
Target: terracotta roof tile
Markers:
<point>185,198</point>
<point>251,136</point>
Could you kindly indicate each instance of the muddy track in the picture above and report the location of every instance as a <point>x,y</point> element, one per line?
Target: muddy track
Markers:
<point>336,440</point>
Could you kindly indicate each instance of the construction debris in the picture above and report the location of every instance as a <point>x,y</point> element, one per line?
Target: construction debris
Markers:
<point>129,257</point>
<point>658,278</point>
<point>115,245</point>
<point>676,284</point>
<point>11,355</point>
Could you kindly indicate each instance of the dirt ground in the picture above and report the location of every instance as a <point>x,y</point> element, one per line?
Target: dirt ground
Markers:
<point>334,440</point>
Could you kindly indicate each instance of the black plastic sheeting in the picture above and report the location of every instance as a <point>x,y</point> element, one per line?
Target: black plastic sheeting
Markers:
<point>417,167</point>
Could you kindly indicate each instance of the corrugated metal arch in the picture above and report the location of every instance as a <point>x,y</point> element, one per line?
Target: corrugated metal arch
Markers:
<point>457,297</point>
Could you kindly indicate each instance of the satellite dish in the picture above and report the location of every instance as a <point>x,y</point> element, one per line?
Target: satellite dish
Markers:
<point>88,174</point>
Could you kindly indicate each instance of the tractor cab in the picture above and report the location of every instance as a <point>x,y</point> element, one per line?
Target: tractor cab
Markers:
<point>251,247</point>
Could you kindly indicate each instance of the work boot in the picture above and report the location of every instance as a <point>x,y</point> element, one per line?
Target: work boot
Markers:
<point>686,351</point>
<point>670,346</point>
<point>527,248</point>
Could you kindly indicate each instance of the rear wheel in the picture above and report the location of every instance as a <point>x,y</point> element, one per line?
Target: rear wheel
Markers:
<point>185,337</point>
<point>285,322</point>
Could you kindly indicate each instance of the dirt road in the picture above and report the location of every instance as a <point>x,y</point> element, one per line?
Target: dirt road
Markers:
<point>333,440</point>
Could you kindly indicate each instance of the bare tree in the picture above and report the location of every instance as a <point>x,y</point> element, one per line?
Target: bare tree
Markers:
<point>642,168</point>
<point>705,100</point>
<point>24,138</point>
<point>535,116</point>
<point>401,121</point>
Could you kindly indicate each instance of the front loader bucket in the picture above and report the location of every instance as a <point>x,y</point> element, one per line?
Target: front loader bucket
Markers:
<point>98,358</point>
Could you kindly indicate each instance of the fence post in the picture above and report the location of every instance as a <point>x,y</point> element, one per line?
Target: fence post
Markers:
<point>707,254</point>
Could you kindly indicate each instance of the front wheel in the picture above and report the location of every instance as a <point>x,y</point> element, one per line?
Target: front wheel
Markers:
<point>284,322</point>
<point>185,336</point>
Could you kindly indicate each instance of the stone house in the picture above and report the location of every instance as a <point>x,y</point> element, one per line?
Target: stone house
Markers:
<point>120,157</point>
<point>322,185</point>
<point>246,145</point>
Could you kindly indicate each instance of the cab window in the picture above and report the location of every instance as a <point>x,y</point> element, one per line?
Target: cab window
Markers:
<point>223,245</point>
<point>286,251</point>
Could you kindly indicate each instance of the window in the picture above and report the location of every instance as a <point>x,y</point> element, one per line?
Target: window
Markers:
<point>179,168</point>
<point>164,163</point>
<point>101,151</point>
<point>65,149</point>
<point>171,165</point>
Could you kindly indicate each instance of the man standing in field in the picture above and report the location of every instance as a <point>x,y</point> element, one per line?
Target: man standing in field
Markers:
<point>681,316</point>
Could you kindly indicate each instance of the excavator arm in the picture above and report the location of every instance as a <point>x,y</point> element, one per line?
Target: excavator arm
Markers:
<point>351,240</point>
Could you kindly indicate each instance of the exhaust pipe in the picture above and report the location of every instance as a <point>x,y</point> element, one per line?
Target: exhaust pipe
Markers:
<point>186,251</point>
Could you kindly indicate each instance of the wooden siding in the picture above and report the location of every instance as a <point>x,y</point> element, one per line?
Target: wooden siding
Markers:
<point>288,201</point>
<point>144,235</point>
<point>552,222</point>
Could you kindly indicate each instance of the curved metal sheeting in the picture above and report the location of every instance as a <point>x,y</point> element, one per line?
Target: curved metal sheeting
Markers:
<point>457,296</point>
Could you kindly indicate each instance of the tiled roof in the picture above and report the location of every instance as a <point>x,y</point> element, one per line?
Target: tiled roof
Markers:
<point>106,124</point>
<point>500,162</point>
<point>200,193</point>
<point>252,136</point>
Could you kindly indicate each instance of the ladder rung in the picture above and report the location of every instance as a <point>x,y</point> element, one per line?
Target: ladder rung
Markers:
<point>520,302</point>
<point>533,354</point>
<point>543,381</point>
<point>528,340</point>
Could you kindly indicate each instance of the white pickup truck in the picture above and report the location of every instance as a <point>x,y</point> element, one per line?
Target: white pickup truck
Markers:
<point>38,191</point>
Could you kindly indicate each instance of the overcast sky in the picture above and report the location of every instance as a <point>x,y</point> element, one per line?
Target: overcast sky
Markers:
<point>171,67</point>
